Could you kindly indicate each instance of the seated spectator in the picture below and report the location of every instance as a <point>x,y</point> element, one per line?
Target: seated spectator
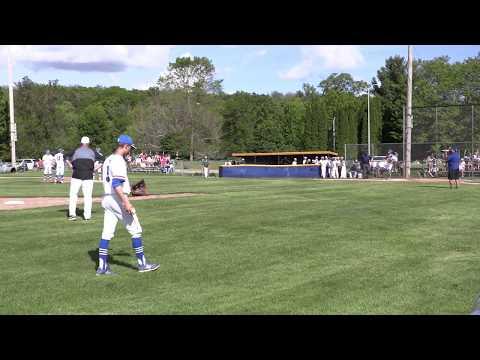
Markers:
<point>354,170</point>
<point>294,162</point>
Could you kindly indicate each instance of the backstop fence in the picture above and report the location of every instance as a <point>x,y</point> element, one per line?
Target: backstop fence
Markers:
<point>435,128</point>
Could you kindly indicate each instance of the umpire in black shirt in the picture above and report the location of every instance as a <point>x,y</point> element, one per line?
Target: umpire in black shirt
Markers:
<point>365,164</point>
<point>82,162</point>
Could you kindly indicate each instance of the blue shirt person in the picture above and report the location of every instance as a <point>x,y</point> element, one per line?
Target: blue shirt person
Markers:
<point>453,162</point>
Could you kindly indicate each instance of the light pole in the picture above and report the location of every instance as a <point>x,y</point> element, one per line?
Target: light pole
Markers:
<point>13,126</point>
<point>368,118</point>
<point>333,133</point>
<point>408,129</point>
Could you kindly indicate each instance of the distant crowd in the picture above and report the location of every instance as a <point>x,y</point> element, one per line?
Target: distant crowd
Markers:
<point>165,162</point>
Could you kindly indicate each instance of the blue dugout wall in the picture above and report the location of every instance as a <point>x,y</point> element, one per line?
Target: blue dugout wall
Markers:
<point>270,171</point>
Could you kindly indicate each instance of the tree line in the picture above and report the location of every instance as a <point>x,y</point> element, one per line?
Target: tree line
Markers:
<point>188,112</point>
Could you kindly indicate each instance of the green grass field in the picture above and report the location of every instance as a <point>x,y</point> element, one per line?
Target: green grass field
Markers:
<point>251,247</point>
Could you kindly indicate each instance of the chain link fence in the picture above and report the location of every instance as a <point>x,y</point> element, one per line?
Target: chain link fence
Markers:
<point>435,129</point>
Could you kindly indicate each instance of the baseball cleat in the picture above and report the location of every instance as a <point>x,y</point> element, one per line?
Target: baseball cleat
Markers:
<point>72,218</point>
<point>148,267</point>
<point>103,272</point>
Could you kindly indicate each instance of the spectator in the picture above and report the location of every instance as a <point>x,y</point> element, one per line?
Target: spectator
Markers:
<point>462,168</point>
<point>171,169</point>
<point>354,170</point>
<point>294,162</point>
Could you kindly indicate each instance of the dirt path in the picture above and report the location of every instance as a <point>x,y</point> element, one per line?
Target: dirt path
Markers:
<point>39,202</point>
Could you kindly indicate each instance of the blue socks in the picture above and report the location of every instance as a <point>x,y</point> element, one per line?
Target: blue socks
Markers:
<point>103,254</point>
<point>138,248</point>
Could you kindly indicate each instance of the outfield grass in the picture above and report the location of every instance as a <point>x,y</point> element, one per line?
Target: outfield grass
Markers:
<point>251,247</point>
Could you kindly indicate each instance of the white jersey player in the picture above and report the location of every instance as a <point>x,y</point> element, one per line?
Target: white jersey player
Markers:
<point>48,161</point>
<point>117,207</point>
<point>343,171</point>
<point>60,166</point>
<point>334,168</point>
<point>323,165</point>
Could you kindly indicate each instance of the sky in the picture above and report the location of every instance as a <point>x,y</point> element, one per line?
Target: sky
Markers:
<point>252,68</point>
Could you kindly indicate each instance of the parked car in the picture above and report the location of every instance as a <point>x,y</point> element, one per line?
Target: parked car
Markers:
<point>26,164</point>
<point>6,167</point>
<point>378,162</point>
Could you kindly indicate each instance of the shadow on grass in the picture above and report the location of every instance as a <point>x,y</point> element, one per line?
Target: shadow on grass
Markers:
<point>78,211</point>
<point>434,186</point>
<point>111,259</point>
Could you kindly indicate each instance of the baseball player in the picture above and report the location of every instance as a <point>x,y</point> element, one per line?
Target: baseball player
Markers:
<point>117,207</point>
<point>48,160</point>
<point>98,164</point>
<point>60,167</point>
<point>334,168</point>
<point>205,166</point>
<point>343,169</point>
<point>82,162</point>
<point>323,164</point>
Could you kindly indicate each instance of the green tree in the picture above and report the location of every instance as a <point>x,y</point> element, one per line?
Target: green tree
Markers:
<point>4,126</point>
<point>315,131</point>
<point>392,93</point>
<point>342,83</point>
<point>195,78</point>
<point>94,123</point>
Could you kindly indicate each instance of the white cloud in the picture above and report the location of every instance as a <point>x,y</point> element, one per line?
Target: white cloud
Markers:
<point>261,52</point>
<point>99,58</point>
<point>324,57</point>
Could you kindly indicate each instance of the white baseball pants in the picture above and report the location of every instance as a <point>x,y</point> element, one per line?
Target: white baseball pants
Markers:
<point>87,189</point>
<point>324,172</point>
<point>47,170</point>
<point>114,212</point>
<point>60,171</point>
<point>335,172</point>
<point>205,172</point>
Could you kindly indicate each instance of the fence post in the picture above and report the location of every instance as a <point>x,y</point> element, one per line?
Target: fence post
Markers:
<point>345,153</point>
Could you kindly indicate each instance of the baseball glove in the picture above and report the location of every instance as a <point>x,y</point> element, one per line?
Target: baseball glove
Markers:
<point>139,189</point>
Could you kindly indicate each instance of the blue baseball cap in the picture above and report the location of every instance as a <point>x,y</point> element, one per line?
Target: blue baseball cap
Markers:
<point>127,140</point>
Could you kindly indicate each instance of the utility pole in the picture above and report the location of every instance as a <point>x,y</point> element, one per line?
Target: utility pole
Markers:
<point>408,157</point>
<point>368,118</point>
<point>334,133</point>
<point>13,126</point>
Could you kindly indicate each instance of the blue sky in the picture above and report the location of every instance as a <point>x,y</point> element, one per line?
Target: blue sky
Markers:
<point>260,69</point>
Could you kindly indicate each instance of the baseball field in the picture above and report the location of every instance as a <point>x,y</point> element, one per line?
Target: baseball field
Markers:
<point>250,247</point>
